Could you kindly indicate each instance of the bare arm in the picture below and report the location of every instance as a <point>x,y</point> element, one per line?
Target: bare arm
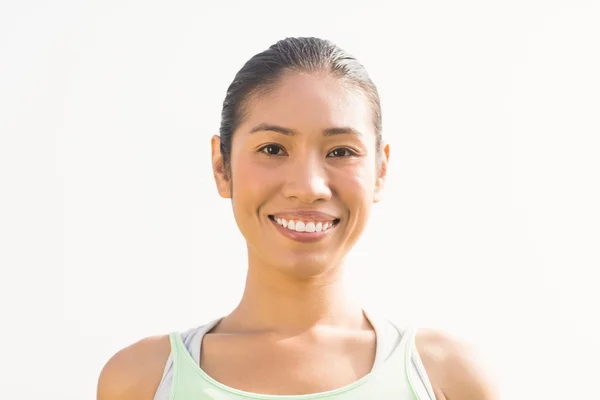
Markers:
<point>134,372</point>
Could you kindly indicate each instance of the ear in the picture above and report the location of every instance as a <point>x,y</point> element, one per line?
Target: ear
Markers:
<point>221,176</point>
<point>381,173</point>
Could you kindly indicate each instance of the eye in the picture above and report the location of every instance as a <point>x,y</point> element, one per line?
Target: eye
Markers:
<point>272,150</point>
<point>341,152</point>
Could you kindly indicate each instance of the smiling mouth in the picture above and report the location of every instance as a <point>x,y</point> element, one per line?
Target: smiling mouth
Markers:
<point>308,226</point>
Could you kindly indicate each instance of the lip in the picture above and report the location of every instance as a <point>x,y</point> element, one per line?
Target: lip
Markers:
<point>305,215</point>
<point>305,237</point>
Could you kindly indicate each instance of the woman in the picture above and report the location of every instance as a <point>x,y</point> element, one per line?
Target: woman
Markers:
<point>301,157</point>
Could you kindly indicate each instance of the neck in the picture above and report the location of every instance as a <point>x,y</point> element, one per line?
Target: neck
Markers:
<point>278,302</point>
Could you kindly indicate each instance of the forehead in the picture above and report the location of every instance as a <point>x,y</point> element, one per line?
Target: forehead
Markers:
<point>310,102</point>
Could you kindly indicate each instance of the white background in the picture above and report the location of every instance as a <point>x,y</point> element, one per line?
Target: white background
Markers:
<point>112,230</point>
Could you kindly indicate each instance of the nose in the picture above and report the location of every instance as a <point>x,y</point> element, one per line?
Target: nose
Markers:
<point>306,181</point>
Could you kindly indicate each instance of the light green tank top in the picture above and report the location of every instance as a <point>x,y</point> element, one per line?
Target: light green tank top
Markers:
<point>390,380</point>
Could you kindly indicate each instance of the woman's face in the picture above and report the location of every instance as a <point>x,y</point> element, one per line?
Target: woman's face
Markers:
<point>304,173</point>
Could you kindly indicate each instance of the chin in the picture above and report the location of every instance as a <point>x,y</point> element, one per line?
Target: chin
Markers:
<point>307,265</point>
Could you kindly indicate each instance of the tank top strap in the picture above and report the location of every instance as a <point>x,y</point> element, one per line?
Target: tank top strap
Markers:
<point>416,374</point>
<point>176,345</point>
<point>176,355</point>
<point>183,368</point>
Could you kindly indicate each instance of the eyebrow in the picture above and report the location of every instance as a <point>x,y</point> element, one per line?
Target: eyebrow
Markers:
<point>344,130</point>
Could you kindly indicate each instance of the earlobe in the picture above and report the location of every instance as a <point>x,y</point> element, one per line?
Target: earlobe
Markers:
<point>381,173</point>
<point>219,170</point>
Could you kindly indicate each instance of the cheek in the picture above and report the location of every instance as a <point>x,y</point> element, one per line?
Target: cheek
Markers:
<point>355,189</point>
<point>356,184</point>
<point>252,181</point>
<point>242,172</point>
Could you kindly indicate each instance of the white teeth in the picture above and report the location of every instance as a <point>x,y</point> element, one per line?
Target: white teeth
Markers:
<point>300,226</point>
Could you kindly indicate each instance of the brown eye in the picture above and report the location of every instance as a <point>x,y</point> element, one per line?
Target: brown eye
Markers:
<point>341,152</point>
<point>273,150</point>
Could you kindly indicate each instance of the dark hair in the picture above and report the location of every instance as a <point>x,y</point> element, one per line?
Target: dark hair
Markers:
<point>262,72</point>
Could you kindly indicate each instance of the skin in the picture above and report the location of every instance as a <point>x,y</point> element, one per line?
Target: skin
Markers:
<point>295,319</point>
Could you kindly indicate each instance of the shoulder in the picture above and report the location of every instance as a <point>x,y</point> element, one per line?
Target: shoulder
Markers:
<point>454,368</point>
<point>134,372</point>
